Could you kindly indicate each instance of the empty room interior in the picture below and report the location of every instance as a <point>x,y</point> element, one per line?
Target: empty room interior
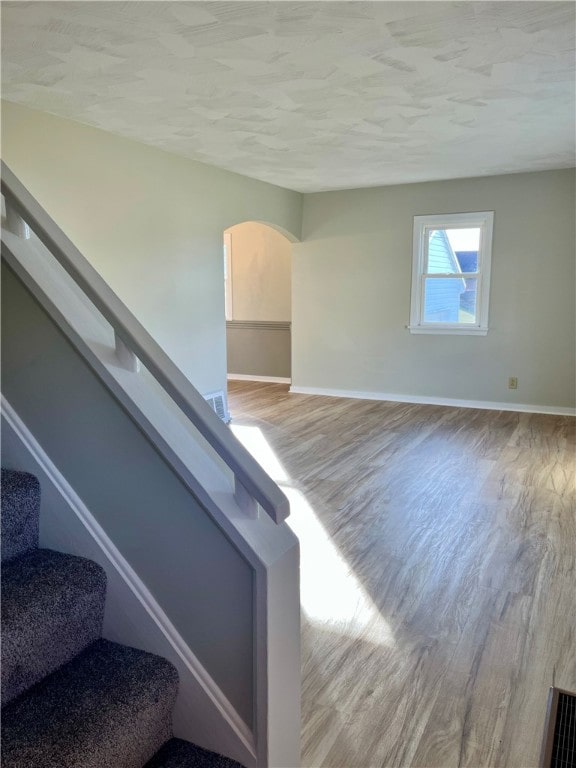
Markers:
<point>288,384</point>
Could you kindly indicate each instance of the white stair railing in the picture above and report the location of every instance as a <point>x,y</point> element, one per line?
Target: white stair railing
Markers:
<point>252,483</point>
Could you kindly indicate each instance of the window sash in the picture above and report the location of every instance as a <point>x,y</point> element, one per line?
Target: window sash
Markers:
<point>425,244</point>
<point>445,275</point>
<point>431,324</point>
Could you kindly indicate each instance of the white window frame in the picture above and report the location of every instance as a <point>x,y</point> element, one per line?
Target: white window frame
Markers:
<point>484,220</point>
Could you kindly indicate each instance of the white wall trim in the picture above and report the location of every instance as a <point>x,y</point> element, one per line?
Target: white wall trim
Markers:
<point>131,579</point>
<point>251,377</point>
<point>425,400</point>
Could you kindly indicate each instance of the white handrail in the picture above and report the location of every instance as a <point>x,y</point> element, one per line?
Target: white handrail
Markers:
<point>250,478</point>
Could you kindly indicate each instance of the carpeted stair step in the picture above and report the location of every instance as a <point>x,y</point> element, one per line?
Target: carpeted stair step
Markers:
<point>52,608</point>
<point>182,754</point>
<point>110,707</point>
<point>20,511</point>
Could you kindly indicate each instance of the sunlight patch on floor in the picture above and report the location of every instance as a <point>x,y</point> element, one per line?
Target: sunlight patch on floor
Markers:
<point>255,443</point>
<point>331,594</point>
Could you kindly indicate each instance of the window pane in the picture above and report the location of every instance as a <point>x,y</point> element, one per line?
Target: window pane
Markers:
<point>450,300</point>
<point>451,251</point>
<point>467,313</point>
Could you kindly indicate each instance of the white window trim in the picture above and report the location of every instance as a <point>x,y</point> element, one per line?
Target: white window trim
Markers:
<point>482,219</point>
<point>228,288</point>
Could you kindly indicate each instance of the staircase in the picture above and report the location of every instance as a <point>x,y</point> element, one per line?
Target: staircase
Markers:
<point>71,699</point>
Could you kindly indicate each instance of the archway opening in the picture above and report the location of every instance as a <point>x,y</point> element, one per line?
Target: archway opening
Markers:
<point>258,299</point>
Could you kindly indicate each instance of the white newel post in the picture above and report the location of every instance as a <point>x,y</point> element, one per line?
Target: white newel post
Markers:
<point>125,355</point>
<point>278,653</point>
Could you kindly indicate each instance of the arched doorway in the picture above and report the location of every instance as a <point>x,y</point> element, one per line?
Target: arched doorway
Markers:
<point>258,280</point>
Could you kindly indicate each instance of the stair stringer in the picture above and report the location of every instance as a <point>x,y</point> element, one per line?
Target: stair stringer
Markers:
<point>202,714</point>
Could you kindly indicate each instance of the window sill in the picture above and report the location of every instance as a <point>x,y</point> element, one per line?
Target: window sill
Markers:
<point>444,331</point>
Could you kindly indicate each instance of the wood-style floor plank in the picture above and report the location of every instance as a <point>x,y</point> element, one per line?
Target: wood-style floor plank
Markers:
<point>438,575</point>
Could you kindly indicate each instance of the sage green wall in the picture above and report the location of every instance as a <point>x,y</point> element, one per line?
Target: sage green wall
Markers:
<point>150,222</point>
<point>351,293</point>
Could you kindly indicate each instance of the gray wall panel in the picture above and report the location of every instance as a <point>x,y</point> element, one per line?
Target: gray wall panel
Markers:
<point>258,348</point>
<point>195,573</point>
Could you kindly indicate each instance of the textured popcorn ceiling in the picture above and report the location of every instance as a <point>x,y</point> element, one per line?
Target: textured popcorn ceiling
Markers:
<point>309,95</point>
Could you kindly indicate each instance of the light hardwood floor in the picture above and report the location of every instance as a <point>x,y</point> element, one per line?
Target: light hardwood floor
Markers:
<point>438,574</point>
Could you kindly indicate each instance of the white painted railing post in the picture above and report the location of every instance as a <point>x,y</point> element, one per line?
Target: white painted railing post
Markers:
<point>15,223</point>
<point>246,501</point>
<point>125,355</point>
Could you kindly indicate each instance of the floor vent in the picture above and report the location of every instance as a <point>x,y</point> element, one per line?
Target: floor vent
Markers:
<point>217,402</point>
<point>559,748</point>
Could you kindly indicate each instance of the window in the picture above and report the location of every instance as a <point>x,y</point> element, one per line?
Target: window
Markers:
<point>451,273</point>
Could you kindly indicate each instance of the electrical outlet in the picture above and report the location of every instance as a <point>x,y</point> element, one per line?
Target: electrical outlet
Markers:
<point>512,382</point>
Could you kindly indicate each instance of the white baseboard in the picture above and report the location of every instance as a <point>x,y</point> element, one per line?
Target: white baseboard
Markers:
<point>449,401</point>
<point>203,714</point>
<point>250,377</point>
